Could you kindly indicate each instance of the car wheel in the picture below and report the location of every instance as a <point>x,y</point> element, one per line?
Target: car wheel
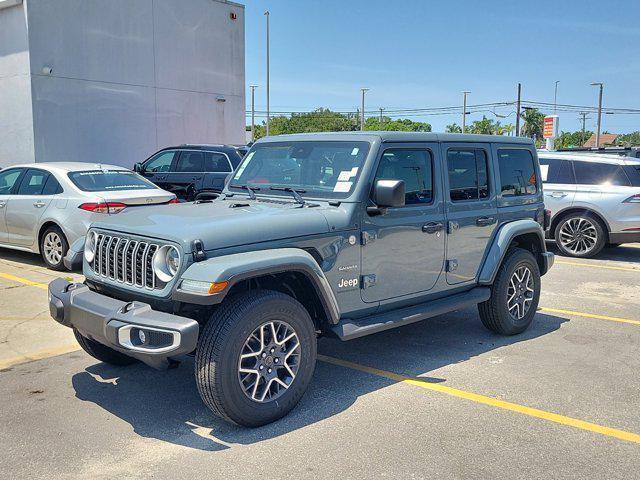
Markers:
<point>53,248</point>
<point>580,235</point>
<point>102,352</point>
<point>514,295</point>
<point>255,357</point>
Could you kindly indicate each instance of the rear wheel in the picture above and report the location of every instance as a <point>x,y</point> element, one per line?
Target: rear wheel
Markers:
<point>102,352</point>
<point>53,248</point>
<point>514,295</point>
<point>580,235</point>
<point>255,357</point>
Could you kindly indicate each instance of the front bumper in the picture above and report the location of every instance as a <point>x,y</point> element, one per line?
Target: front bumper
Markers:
<point>118,324</point>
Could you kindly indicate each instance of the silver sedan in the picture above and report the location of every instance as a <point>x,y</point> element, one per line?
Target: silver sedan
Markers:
<point>45,207</point>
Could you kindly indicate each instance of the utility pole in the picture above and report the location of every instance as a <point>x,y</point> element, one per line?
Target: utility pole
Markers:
<point>555,97</point>
<point>267,15</point>
<point>584,121</point>
<point>464,109</point>
<point>253,112</point>
<point>363,90</point>
<point>518,111</point>
<point>381,109</point>
<point>601,85</point>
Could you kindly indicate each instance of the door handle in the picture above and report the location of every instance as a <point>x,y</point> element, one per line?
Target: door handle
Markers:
<point>161,177</point>
<point>432,227</point>
<point>485,221</point>
<point>39,204</point>
<point>557,194</point>
<point>2,204</point>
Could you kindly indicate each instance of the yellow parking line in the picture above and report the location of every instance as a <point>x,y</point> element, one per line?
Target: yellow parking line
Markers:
<point>591,265</point>
<point>589,315</point>
<point>38,355</point>
<point>493,402</point>
<point>13,278</point>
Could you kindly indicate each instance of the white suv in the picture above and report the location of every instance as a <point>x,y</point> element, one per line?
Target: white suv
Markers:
<point>594,200</point>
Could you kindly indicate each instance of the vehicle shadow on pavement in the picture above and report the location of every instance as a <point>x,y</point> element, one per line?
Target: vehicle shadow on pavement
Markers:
<point>624,253</point>
<point>166,405</point>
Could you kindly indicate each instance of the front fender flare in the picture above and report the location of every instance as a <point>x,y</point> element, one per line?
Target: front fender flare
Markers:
<point>237,267</point>
<point>500,245</point>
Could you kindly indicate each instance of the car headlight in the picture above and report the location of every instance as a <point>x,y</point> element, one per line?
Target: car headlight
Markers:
<point>90,246</point>
<point>166,263</point>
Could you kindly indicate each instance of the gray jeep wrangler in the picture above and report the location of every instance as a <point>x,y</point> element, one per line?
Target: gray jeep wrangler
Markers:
<point>340,234</point>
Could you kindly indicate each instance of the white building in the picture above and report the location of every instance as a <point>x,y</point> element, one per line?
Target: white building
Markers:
<point>113,81</point>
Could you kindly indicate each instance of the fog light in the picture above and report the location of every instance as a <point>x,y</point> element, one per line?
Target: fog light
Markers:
<point>142,336</point>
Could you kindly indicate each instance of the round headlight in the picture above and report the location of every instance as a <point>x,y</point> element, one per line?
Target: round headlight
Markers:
<point>166,262</point>
<point>90,246</point>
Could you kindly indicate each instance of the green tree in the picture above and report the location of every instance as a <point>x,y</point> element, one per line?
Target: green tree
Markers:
<point>533,123</point>
<point>629,139</point>
<point>453,128</point>
<point>320,120</point>
<point>400,125</point>
<point>485,126</point>
<point>572,139</point>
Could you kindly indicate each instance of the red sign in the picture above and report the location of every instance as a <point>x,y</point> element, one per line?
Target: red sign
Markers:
<point>550,129</point>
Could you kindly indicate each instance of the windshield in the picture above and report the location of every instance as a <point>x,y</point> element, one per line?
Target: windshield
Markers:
<point>315,169</point>
<point>109,180</point>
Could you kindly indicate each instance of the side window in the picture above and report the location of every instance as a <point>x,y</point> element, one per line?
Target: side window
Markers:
<point>517,172</point>
<point>468,178</point>
<point>216,162</point>
<point>160,163</point>
<point>51,187</point>
<point>8,180</point>
<point>414,167</point>
<point>33,182</point>
<point>190,162</point>
<point>555,170</point>
<point>592,173</point>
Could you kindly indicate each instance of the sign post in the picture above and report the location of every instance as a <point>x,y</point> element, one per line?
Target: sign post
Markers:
<point>550,130</point>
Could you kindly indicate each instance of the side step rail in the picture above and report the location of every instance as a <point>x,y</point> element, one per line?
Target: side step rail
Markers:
<point>349,329</point>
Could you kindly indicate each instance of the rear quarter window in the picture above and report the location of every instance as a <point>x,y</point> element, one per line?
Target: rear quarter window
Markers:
<point>633,172</point>
<point>594,173</point>
<point>517,172</point>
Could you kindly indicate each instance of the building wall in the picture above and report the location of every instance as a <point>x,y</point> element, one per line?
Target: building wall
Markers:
<point>16,130</point>
<point>130,77</point>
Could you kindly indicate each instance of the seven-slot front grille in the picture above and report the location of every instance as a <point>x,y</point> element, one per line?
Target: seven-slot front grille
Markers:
<point>125,260</point>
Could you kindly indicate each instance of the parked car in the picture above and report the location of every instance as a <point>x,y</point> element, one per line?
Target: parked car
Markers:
<point>45,207</point>
<point>343,234</point>
<point>191,172</point>
<point>594,201</point>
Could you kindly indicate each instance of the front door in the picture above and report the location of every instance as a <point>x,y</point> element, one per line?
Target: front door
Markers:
<point>559,184</point>
<point>8,180</point>
<point>189,170</point>
<point>158,167</point>
<point>403,248</point>
<point>472,210</point>
<point>26,207</point>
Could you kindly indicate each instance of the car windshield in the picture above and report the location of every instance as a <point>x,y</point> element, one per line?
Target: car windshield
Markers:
<point>315,168</point>
<point>109,180</point>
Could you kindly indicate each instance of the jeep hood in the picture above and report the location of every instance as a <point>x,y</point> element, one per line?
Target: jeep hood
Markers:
<point>218,224</point>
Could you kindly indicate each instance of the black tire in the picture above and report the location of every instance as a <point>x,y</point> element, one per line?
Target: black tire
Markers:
<point>220,346</point>
<point>494,313</point>
<point>102,352</point>
<point>53,232</point>
<point>598,227</point>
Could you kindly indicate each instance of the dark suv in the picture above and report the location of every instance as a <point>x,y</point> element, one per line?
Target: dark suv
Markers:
<point>191,172</point>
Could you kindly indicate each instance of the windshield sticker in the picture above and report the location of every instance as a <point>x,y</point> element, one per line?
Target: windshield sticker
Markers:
<point>355,151</point>
<point>346,175</point>
<point>342,187</point>
<point>544,171</point>
<point>243,166</point>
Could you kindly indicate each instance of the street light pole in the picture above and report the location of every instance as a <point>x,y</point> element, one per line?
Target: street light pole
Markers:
<point>267,15</point>
<point>601,85</point>
<point>363,90</point>
<point>464,109</point>
<point>253,112</point>
<point>555,97</point>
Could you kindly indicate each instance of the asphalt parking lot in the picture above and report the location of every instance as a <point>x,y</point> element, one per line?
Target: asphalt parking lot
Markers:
<point>443,398</point>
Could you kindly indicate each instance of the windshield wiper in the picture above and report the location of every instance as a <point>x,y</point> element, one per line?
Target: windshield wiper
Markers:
<point>295,192</point>
<point>250,190</point>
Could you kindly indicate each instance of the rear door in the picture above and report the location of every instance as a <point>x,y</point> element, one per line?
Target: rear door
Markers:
<point>471,208</point>
<point>9,180</point>
<point>158,167</point>
<point>217,167</point>
<point>188,170</point>
<point>26,207</point>
<point>559,183</point>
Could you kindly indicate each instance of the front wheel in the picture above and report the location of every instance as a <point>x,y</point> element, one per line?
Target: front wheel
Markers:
<point>102,352</point>
<point>255,357</point>
<point>514,295</point>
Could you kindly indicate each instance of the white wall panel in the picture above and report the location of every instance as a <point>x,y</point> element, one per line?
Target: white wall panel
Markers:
<point>16,126</point>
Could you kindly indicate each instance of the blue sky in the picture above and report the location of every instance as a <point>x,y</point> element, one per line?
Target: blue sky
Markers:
<point>417,54</point>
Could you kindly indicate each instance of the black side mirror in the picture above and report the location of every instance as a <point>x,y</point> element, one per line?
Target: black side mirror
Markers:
<point>138,168</point>
<point>389,193</point>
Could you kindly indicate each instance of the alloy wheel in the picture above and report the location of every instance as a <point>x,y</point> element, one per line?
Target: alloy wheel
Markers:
<point>269,361</point>
<point>53,249</point>
<point>578,235</point>
<point>520,292</point>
